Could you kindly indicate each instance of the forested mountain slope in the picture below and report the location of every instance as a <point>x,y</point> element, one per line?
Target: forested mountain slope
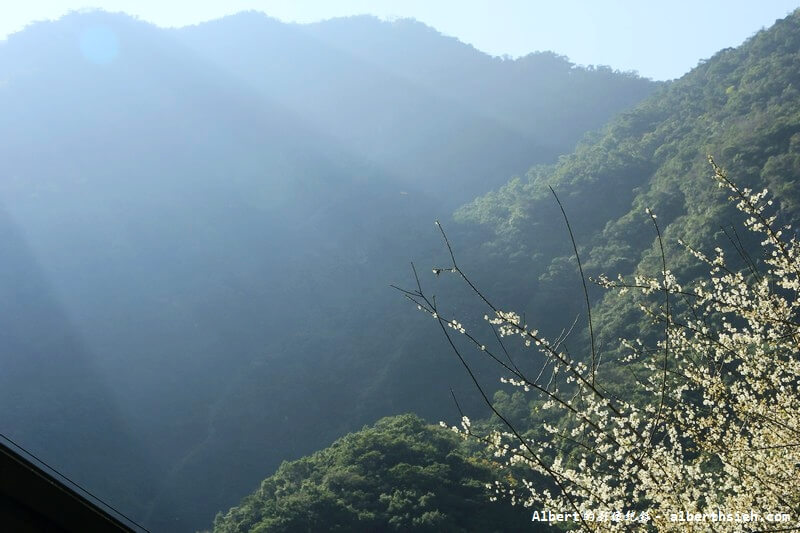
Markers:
<point>741,106</point>
<point>200,229</point>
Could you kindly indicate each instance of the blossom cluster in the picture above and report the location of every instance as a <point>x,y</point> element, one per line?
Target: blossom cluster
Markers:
<point>713,420</point>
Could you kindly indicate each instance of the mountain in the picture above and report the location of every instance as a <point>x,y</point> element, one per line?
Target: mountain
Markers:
<point>741,106</point>
<point>201,225</point>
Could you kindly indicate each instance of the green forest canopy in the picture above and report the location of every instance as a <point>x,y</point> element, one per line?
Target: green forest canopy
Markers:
<point>399,475</point>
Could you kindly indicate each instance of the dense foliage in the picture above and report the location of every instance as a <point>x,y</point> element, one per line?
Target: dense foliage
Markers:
<point>399,475</point>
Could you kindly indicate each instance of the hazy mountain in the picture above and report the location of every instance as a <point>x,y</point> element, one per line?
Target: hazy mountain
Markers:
<point>428,108</point>
<point>201,226</point>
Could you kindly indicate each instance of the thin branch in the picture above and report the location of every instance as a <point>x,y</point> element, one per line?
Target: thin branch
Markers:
<point>583,281</point>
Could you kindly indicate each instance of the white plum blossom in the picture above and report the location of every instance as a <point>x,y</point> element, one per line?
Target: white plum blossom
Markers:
<point>712,423</point>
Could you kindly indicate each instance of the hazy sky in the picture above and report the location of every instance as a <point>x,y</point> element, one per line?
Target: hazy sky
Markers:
<point>661,40</point>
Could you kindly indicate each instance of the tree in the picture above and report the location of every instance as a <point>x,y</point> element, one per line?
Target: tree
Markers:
<point>703,434</point>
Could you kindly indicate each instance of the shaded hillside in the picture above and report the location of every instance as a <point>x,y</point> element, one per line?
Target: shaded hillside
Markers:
<point>202,227</point>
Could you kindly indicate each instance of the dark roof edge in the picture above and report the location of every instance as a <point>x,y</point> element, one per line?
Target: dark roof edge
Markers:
<point>38,497</point>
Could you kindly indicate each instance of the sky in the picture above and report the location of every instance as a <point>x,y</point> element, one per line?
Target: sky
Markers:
<point>660,40</point>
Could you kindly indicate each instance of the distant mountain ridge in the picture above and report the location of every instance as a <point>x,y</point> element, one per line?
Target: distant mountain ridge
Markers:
<point>509,91</point>
<point>387,78</point>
